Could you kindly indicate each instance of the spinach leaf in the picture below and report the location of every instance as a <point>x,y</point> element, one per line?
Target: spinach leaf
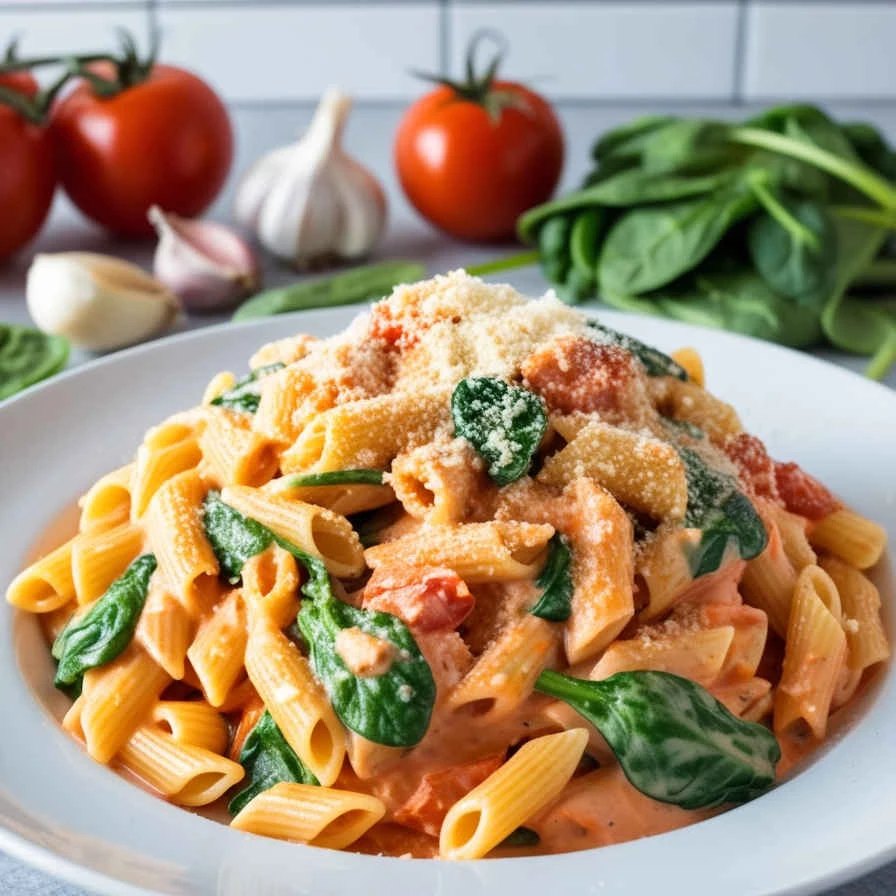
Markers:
<point>365,283</point>
<point>246,393</point>
<point>106,629</point>
<point>393,708</point>
<point>871,147</point>
<point>268,759</point>
<point>722,512</point>
<point>690,144</point>
<point>503,423</point>
<point>338,477</point>
<point>628,140</point>
<point>793,247</point>
<point>553,247</point>
<point>682,427</point>
<point>521,837</point>
<point>555,581</point>
<point>28,356</point>
<point>675,742</point>
<point>655,362</point>
<point>584,242</point>
<point>651,246</point>
<point>236,538</point>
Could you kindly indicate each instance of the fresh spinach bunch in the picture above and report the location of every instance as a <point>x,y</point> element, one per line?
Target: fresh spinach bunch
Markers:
<point>763,227</point>
<point>393,707</point>
<point>675,742</point>
<point>106,629</point>
<point>268,760</point>
<point>28,356</point>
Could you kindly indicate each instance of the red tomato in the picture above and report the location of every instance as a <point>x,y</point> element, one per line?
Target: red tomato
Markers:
<point>165,141</point>
<point>27,176</point>
<point>471,173</point>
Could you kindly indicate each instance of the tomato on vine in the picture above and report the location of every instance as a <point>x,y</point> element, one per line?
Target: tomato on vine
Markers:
<point>473,155</point>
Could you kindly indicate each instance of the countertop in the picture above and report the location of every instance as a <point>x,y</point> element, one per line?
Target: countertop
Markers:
<point>369,137</point>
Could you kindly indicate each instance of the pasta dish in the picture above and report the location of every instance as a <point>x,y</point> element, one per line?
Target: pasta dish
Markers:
<point>478,576</point>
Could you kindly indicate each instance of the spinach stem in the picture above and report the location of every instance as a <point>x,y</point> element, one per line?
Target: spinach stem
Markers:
<point>885,357</point>
<point>856,174</point>
<point>520,260</point>
<point>557,685</point>
<point>881,272</point>
<point>776,209</point>
<point>872,216</point>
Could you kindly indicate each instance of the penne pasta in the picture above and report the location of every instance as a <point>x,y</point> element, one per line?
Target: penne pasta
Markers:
<point>851,537</point>
<point>770,580</point>
<point>158,459</point>
<point>108,502</point>
<point>47,584</point>
<point>691,403</point>
<point>165,630</point>
<point>271,585</point>
<point>99,558</point>
<point>218,650</point>
<point>192,723</point>
<point>342,499</point>
<point>527,782</point>
<point>690,360</point>
<point>318,816</point>
<point>233,452</point>
<point>219,384</point>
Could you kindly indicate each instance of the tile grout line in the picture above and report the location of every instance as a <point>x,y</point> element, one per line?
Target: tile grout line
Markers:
<point>444,38</point>
<point>741,37</point>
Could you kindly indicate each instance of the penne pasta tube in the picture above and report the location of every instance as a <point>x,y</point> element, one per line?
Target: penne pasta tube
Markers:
<point>504,676</point>
<point>283,351</point>
<point>850,536</point>
<point>318,816</point>
<point>157,461</point>
<point>177,536</point>
<point>289,399</point>
<point>691,403</point>
<point>313,529</point>
<point>233,453</point>
<point>638,470</point>
<point>769,581</point>
<point>99,558</point>
<point>793,537</point>
<point>271,585</point>
<point>527,782</point>
<point>219,384</point>
<point>219,648</point>
<point>477,552</point>
<point>295,699</point>
<point>47,584</point>
<point>690,360</point>
<point>368,433</point>
<point>340,499</point>
<point>188,775</point>
<point>165,629</point>
<point>108,502</point>
<point>193,723</point>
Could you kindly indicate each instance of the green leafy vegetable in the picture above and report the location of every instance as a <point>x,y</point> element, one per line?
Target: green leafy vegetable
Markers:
<point>106,629</point>
<point>246,393</point>
<point>655,362</point>
<point>553,247</point>
<point>555,581</point>
<point>236,538</point>
<point>521,837</point>
<point>28,356</point>
<point>503,423</point>
<point>367,283</point>
<point>393,708</point>
<point>675,742</point>
<point>338,477</point>
<point>268,760</point>
<point>722,512</point>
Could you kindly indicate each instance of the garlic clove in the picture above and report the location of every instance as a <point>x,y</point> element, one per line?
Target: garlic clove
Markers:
<point>206,265</point>
<point>311,202</point>
<point>96,301</point>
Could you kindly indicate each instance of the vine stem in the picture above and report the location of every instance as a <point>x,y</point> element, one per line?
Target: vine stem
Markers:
<point>872,216</point>
<point>777,210</point>
<point>885,357</point>
<point>509,263</point>
<point>858,175</point>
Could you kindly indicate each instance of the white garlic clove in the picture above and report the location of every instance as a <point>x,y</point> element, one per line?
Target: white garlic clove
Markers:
<point>310,202</point>
<point>97,302</point>
<point>206,265</point>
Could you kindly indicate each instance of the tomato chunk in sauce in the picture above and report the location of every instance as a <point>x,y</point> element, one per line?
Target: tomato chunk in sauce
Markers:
<point>426,598</point>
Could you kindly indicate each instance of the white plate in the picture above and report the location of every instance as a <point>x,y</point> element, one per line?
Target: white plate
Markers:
<point>63,812</point>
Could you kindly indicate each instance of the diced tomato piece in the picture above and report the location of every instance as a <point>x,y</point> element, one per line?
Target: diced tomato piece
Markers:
<point>438,791</point>
<point>756,468</point>
<point>426,598</point>
<point>573,373</point>
<point>802,493</point>
<point>251,713</point>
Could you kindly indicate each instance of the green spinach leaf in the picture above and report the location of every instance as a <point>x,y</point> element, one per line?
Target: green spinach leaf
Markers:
<point>722,512</point>
<point>655,362</point>
<point>268,760</point>
<point>628,140</point>
<point>675,742</point>
<point>555,581</point>
<point>393,708</point>
<point>106,629</point>
<point>246,393</point>
<point>503,423</point>
<point>338,477</point>
<point>651,246</point>
<point>28,356</point>
<point>553,247</point>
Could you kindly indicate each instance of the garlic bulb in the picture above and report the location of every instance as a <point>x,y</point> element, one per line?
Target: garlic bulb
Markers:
<point>206,265</point>
<point>96,301</point>
<point>310,202</point>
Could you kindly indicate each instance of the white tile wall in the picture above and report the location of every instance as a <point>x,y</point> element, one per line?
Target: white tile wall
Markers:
<point>820,50</point>
<point>283,52</point>
<point>595,50</point>
<point>51,31</point>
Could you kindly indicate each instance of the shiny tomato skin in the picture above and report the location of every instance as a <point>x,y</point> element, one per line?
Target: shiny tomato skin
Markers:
<point>166,141</point>
<point>27,180</point>
<point>473,176</point>
<point>22,82</point>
